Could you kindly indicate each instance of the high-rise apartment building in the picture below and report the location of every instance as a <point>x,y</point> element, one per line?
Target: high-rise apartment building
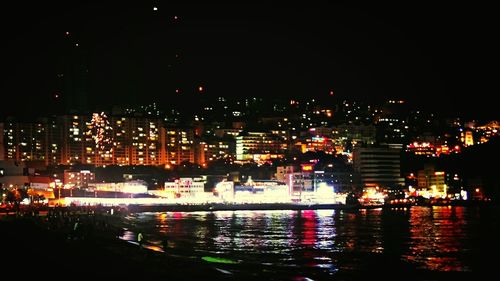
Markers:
<point>179,146</point>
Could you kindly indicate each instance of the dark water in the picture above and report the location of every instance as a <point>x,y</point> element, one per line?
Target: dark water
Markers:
<point>319,243</point>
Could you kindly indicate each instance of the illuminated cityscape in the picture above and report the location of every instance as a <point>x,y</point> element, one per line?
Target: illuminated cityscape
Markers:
<point>319,141</point>
<point>379,157</point>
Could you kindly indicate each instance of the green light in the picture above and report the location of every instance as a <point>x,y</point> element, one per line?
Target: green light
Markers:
<point>218,260</point>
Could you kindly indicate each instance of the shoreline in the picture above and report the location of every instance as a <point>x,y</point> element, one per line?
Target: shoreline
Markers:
<point>209,207</point>
<point>133,208</point>
<point>53,248</point>
<point>118,210</point>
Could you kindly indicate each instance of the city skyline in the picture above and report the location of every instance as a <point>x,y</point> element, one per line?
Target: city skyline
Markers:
<point>250,140</point>
<point>92,54</point>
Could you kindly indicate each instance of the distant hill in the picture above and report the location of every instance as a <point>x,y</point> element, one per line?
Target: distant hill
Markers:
<point>480,163</point>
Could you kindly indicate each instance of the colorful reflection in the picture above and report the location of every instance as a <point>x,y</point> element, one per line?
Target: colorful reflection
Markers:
<point>437,238</point>
<point>326,241</point>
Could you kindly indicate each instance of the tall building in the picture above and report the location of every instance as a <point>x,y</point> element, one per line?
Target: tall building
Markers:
<point>38,140</point>
<point>25,141</point>
<point>122,140</point>
<point>98,140</point>
<point>218,149</point>
<point>145,137</point>
<point>117,141</point>
<point>54,142</point>
<point>179,146</point>
<point>259,147</point>
<point>77,143</point>
<point>358,133</point>
<point>378,166</point>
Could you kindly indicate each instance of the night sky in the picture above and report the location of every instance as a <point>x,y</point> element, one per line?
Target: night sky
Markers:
<point>133,54</point>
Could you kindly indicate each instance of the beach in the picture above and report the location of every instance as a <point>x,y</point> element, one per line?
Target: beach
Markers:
<point>31,249</point>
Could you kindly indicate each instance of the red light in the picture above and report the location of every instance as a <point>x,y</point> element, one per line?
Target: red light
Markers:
<point>331,93</point>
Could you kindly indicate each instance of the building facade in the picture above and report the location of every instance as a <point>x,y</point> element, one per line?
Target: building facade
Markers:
<point>378,166</point>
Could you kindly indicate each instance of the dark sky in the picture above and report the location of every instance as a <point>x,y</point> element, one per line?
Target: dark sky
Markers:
<point>128,53</point>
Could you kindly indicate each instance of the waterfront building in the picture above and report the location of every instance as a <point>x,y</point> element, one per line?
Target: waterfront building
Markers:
<point>135,186</point>
<point>431,183</point>
<point>261,191</point>
<point>378,166</point>
<point>184,188</point>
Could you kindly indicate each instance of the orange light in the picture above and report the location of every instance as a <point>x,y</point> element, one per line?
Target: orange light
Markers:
<point>307,167</point>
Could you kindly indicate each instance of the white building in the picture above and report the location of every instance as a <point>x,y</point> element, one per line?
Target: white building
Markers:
<point>184,187</point>
<point>125,187</point>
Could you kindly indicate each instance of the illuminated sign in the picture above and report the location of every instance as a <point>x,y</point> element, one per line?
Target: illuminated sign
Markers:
<point>307,167</point>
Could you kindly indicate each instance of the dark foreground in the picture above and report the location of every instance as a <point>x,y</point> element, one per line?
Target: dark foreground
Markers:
<point>31,251</point>
<point>33,248</point>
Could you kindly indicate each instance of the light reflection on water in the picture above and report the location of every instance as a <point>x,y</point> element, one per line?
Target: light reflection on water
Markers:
<point>438,238</point>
